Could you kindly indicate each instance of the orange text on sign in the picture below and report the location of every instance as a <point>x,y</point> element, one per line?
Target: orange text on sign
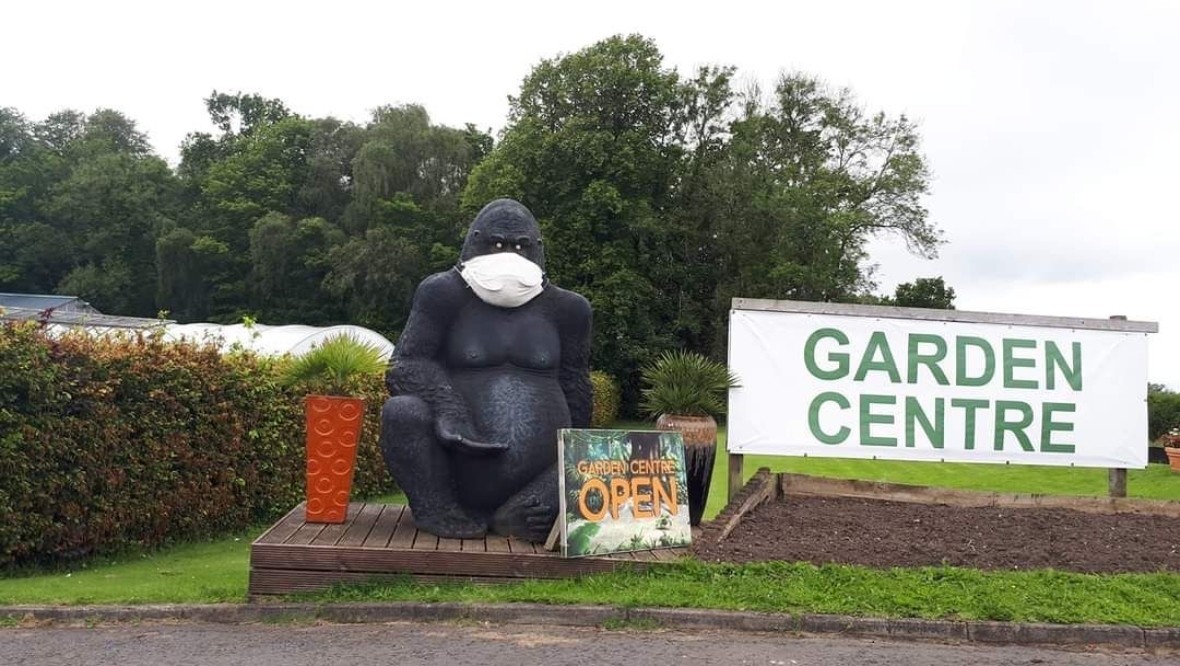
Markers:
<point>646,491</point>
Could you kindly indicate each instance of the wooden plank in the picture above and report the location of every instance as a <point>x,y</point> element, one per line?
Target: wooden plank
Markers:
<point>334,531</point>
<point>282,530</point>
<point>287,581</point>
<point>924,314</point>
<point>384,526</point>
<point>736,463</point>
<point>472,545</point>
<point>450,545</point>
<point>362,521</point>
<point>762,487</point>
<point>339,558</point>
<point>425,541</point>
<point>804,486</point>
<point>306,533</point>
<point>494,543</point>
<point>669,554</point>
<point>522,546</point>
<point>644,556</point>
<point>403,534</point>
<point>1117,482</point>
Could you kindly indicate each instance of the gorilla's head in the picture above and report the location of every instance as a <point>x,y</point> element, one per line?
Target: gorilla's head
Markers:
<point>504,225</point>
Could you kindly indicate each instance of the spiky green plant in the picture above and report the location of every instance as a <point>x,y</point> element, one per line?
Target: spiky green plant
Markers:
<point>683,382</point>
<point>336,367</point>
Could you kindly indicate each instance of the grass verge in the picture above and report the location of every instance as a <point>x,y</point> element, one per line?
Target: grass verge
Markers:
<point>202,572</point>
<point>932,592</point>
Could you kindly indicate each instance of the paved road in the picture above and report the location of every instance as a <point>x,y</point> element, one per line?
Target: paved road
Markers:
<point>441,643</point>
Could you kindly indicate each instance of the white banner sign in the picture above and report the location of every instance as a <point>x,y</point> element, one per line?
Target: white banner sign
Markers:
<point>906,389</point>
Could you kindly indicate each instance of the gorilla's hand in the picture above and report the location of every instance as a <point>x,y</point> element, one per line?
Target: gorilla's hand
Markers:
<point>450,433</point>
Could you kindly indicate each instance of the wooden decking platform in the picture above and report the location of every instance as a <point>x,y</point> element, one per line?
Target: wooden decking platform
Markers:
<point>381,541</point>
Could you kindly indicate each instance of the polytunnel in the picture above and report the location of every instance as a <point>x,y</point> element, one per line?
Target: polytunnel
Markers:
<point>294,339</point>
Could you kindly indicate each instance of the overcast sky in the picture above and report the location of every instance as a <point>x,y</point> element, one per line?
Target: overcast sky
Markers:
<point>1050,127</point>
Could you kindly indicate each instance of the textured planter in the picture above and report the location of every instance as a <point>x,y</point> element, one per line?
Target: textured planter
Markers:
<point>700,450</point>
<point>333,430</point>
<point>1173,458</point>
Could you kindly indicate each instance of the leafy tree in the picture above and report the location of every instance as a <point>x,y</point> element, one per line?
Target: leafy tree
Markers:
<point>81,199</point>
<point>290,260</point>
<point>661,201</point>
<point>594,149</point>
<point>925,293</point>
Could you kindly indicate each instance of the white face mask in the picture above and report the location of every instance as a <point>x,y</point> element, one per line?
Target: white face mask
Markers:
<point>503,279</point>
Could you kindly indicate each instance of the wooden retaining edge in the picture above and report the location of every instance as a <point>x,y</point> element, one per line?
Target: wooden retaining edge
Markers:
<point>814,486</point>
<point>762,487</point>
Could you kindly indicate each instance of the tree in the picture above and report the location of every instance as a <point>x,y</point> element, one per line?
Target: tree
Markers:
<point>81,200</point>
<point>807,179</point>
<point>290,260</point>
<point>925,293</point>
<point>594,148</point>
<point>661,201</point>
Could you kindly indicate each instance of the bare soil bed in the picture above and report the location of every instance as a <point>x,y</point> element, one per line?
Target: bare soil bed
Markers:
<point>878,533</point>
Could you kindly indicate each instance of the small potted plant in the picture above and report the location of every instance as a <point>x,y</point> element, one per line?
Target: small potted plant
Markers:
<point>685,391</point>
<point>332,374</point>
<point>1171,442</point>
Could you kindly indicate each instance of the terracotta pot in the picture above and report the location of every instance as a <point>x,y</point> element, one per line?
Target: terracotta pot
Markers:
<point>1173,457</point>
<point>700,450</point>
<point>333,430</point>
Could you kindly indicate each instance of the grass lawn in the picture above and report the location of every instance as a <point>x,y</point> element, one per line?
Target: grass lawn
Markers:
<point>217,571</point>
<point>1155,482</point>
<point>203,572</point>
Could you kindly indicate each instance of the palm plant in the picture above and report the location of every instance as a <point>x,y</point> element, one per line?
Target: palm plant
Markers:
<point>683,382</point>
<point>336,367</point>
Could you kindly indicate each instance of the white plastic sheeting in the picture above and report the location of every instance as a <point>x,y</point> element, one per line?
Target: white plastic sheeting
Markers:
<point>266,340</point>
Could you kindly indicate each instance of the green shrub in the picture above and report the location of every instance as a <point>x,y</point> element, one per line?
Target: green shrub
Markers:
<point>606,399</point>
<point>686,383</point>
<point>109,443</point>
<point>1163,411</point>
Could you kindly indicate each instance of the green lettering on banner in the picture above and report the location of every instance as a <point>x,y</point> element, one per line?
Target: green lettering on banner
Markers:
<point>1049,426</point>
<point>813,418</point>
<point>1055,359</point>
<point>878,344</point>
<point>1015,427</point>
<point>1011,362</point>
<point>969,406</point>
<point>935,432</point>
<point>868,418</point>
<point>962,342</point>
<point>931,361</point>
<point>841,358</point>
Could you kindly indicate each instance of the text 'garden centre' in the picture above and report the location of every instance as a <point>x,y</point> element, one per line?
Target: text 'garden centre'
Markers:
<point>1021,363</point>
<point>860,381</point>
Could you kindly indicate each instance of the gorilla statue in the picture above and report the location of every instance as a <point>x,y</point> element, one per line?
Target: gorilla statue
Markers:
<point>493,360</point>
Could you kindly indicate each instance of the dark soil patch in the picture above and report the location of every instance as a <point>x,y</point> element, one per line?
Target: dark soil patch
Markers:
<point>883,534</point>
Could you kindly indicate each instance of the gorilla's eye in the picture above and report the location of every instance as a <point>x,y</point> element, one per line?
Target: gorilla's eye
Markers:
<point>499,246</point>
<point>518,247</point>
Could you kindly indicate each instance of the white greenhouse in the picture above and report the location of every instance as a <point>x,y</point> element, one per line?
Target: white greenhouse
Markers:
<point>294,339</point>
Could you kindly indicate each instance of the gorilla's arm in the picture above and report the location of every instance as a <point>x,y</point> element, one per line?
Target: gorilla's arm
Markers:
<point>575,317</point>
<point>416,367</point>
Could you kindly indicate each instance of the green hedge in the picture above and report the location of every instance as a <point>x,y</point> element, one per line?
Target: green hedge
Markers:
<point>1163,412</point>
<point>133,442</point>
<point>607,396</point>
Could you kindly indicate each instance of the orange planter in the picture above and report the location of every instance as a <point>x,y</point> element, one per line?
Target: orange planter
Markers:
<point>333,430</point>
<point>1173,457</point>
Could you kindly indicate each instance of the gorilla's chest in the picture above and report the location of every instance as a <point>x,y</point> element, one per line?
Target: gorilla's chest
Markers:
<point>487,337</point>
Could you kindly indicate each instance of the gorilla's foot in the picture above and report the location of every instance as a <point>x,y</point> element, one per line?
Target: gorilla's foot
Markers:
<point>530,519</point>
<point>450,524</point>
